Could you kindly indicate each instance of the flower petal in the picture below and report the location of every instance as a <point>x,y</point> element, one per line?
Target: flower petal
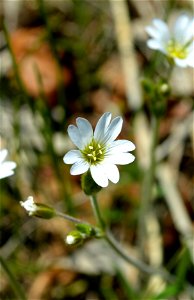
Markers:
<point>120,159</point>
<point>156,45</point>
<point>79,167</point>
<point>99,175</point>
<point>189,35</point>
<point>75,136</point>
<point>153,32</point>
<point>180,28</point>
<point>6,169</point>
<point>101,126</point>
<point>190,58</point>
<point>121,146</point>
<point>72,156</point>
<point>112,172</point>
<point>85,129</point>
<point>113,130</point>
<point>181,62</point>
<point>162,27</point>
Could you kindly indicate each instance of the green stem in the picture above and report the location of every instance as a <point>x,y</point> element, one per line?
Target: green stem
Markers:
<point>14,283</point>
<point>70,218</point>
<point>118,248</point>
<point>96,211</point>
<point>135,262</point>
<point>147,190</point>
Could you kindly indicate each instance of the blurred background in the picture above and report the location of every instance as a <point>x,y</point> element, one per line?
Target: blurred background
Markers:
<point>64,59</point>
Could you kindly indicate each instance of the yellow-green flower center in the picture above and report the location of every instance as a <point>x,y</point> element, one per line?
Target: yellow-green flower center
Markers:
<point>94,152</point>
<point>176,50</point>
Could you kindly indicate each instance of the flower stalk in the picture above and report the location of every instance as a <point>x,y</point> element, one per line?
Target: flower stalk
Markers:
<point>70,218</point>
<point>118,249</point>
<point>97,212</point>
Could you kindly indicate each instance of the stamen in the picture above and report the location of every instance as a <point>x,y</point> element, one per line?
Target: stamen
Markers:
<point>94,152</point>
<point>176,50</point>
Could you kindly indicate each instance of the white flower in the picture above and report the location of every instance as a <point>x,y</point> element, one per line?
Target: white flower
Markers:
<point>39,210</point>
<point>6,167</point>
<point>98,150</point>
<point>29,205</point>
<point>177,43</point>
<point>70,240</point>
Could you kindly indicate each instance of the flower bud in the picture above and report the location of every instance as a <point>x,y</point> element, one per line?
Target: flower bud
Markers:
<point>37,209</point>
<point>89,230</point>
<point>74,238</point>
<point>86,229</point>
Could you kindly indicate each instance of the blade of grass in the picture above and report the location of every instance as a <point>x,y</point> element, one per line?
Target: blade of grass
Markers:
<point>14,283</point>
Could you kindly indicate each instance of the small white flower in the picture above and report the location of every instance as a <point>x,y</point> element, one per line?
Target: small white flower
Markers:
<point>70,239</point>
<point>6,167</point>
<point>29,205</point>
<point>98,150</point>
<point>177,43</point>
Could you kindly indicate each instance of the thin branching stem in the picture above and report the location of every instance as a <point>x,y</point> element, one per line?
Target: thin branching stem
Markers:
<point>97,212</point>
<point>118,248</point>
<point>70,218</point>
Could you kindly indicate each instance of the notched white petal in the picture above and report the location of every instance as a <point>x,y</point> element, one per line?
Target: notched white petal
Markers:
<point>6,169</point>
<point>75,136</point>
<point>153,32</point>
<point>181,62</point>
<point>102,125</point>
<point>121,146</point>
<point>156,45</point>
<point>99,176</point>
<point>161,26</point>
<point>120,159</point>
<point>85,129</point>
<point>113,130</point>
<point>72,156</point>
<point>79,167</point>
<point>112,172</point>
